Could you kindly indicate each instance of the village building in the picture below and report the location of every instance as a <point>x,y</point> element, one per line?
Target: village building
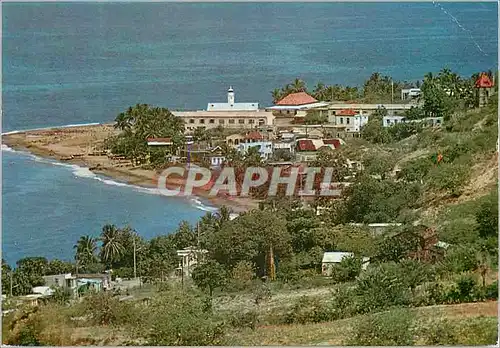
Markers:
<point>484,86</point>
<point>332,258</point>
<point>292,108</point>
<point>188,259</point>
<point>410,93</point>
<point>227,115</point>
<point>265,148</point>
<point>388,121</point>
<point>307,149</point>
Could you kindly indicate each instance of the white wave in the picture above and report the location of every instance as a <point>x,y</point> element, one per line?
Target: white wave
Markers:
<point>7,149</point>
<point>53,127</point>
<point>198,204</point>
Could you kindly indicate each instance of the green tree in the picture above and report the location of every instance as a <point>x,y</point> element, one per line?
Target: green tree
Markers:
<point>209,275</point>
<point>487,216</point>
<point>86,249</point>
<point>112,245</point>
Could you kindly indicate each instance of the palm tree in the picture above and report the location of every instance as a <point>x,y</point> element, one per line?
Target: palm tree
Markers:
<point>86,248</point>
<point>112,248</point>
<point>319,91</point>
<point>277,95</point>
<point>298,85</point>
<point>222,216</point>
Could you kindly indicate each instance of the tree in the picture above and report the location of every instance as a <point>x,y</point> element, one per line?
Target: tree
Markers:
<point>255,237</point>
<point>86,248</point>
<point>374,131</point>
<point>59,267</point>
<point>112,248</point>
<point>487,216</point>
<point>315,118</point>
<point>209,275</point>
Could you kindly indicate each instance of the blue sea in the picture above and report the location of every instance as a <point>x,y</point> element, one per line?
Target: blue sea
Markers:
<point>71,63</point>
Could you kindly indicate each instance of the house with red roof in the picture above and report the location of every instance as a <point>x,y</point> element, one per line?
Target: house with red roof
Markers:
<point>292,108</point>
<point>307,149</point>
<point>484,86</point>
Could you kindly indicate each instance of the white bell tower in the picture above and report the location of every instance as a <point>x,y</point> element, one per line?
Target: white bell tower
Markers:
<point>230,96</point>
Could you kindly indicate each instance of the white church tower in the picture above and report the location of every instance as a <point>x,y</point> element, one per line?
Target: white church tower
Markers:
<point>230,96</point>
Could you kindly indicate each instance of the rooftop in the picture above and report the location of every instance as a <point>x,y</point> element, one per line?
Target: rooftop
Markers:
<point>484,81</point>
<point>300,98</point>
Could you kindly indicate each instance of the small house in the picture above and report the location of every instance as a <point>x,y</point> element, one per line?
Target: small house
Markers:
<point>189,258</point>
<point>332,258</point>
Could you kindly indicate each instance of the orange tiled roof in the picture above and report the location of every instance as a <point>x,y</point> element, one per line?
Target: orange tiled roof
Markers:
<point>254,135</point>
<point>484,81</point>
<point>299,98</point>
<point>347,112</point>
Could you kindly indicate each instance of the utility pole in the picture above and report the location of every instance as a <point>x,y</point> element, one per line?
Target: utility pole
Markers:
<point>11,276</point>
<point>392,91</point>
<point>135,268</point>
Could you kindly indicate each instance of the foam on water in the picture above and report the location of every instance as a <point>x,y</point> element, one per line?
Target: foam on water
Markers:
<point>52,127</point>
<point>86,173</point>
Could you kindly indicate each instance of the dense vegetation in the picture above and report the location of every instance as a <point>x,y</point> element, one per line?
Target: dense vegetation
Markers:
<point>419,177</point>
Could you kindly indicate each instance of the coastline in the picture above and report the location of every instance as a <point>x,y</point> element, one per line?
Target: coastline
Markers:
<point>75,145</point>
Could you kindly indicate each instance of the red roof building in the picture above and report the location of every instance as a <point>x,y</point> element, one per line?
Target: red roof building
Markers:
<point>295,99</point>
<point>484,81</point>
<point>159,141</point>
<point>254,135</point>
<point>306,145</point>
<point>346,112</point>
<point>335,142</point>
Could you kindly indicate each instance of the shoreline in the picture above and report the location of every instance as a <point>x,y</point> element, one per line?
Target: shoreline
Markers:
<point>75,145</point>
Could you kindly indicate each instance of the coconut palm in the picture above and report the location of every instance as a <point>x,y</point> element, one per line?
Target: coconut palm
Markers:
<point>86,248</point>
<point>222,216</point>
<point>277,95</point>
<point>298,85</point>
<point>112,248</point>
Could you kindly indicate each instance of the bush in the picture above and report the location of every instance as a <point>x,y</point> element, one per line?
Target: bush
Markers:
<point>348,269</point>
<point>393,328</point>
<point>308,310</point>
<point>104,309</point>
<point>180,319</point>
<point>381,287</point>
<point>241,276</point>
<point>492,291</point>
<point>438,332</point>
<point>449,177</point>
<point>459,259</point>
<point>462,291</point>
<point>242,320</point>
<point>429,294</point>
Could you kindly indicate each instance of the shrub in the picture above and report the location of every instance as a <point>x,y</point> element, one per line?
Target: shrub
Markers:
<point>241,276</point>
<point>448,177</point>
<point>104,309</point>
<point>477,331</point>
<point>438,332</point>
<point>393,328</point>
<point>491,291</point>
<point>459,259</point>
<point>382,287</point>
<point>348,269</point>
<point>462,291</point>
<point>248,319</point>
<point>308,310</point>
<point>180,319</point>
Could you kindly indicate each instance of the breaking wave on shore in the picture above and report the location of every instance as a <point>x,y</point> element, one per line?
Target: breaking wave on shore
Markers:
<point>86,173</point>
<point>52,127</point>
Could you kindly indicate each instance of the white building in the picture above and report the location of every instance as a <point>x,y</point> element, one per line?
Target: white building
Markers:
<point>265,148</point>
<point>410,93</point>
<point>231,105</point>
<point>335,257</point>
<point>388,121</point>
<point>189,258</point>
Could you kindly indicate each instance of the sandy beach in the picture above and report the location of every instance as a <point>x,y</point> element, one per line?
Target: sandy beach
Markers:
<point>81,145</point>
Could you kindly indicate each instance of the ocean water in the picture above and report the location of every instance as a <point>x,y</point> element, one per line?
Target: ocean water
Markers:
<point>70,63</point>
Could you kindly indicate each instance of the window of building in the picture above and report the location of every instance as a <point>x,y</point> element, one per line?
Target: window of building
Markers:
<point>341,120</point>
<point>251,121</point>
<point>221,121</point>
<point>202,121</point>
<point>347,120</point>
<point>241,121</point>
<point>231,121</point>
<point>211,121</point>
<point>191,120</point>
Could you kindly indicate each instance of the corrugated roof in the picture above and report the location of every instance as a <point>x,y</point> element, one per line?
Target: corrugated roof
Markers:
<point>335,142</point>
<point>299,98</point>
<point>484,81</point>
<point>335,256</point>
<point>306,145</point>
